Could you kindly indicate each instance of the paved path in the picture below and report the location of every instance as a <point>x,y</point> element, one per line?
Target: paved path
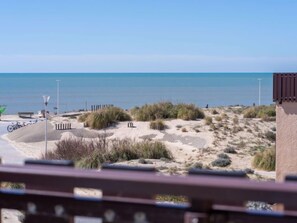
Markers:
<point>7,152</point>
<point>12,156</point>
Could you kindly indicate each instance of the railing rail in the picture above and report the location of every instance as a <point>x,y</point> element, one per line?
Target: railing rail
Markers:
<point>126,196</point>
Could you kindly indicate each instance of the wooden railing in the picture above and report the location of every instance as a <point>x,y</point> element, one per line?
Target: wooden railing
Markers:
<point>129,195</point>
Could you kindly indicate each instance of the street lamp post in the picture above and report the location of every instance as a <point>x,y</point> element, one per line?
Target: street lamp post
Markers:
<point>58,96</point>
<point>45,100</point>
<point>259,91</point>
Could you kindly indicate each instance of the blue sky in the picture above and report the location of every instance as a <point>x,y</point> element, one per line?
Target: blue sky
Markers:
<point>148,36</point>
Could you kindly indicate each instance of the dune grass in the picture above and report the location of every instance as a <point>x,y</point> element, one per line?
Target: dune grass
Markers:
<point>167,110</point>
<point>265,160</point>
<point>93,153</point>
<point>264,112</point>
<point>157,125</point>
<point>104,118</point>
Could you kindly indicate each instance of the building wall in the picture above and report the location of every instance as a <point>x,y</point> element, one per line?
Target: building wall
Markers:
<point>286,139</point>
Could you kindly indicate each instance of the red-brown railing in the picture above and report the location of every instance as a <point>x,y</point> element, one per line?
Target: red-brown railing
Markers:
<point>284,87</point>
<point>128,196</point>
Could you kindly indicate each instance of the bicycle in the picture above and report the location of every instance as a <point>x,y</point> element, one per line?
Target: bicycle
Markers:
<point>15,126</point>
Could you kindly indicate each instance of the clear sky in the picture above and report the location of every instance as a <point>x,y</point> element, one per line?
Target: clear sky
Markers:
<point>148,35</point>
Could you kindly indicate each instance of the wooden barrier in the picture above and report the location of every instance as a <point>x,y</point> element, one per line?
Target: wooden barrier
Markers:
<point>63,126</point>
<point>128,193</point>
<point>98,107</point>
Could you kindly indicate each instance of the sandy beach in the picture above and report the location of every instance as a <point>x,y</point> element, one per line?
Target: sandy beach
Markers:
<point>189,141</point>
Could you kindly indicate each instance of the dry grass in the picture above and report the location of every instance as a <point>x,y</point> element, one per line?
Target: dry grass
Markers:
<point>167,110</point>
<point>266,113</point>
<point>104,118</point>
<point>93,153</point>
<point>265,160</point>
<point>157,125</point>
<point>208,120</point>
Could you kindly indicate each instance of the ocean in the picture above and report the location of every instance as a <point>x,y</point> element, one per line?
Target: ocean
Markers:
<point>23,92</point>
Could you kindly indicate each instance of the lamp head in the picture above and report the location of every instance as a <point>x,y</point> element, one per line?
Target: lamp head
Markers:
<point>46,99</point>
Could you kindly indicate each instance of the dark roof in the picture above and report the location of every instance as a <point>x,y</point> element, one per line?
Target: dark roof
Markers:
<point>284,87</point>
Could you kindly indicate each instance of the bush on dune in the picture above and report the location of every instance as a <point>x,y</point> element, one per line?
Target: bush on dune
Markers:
<point>189,112</point>
<point>167,110</point>
<point>265,160</point>
<point>93,153</point>
<point>263,112</point>
<point>104,117</point>
<point>157,125</point>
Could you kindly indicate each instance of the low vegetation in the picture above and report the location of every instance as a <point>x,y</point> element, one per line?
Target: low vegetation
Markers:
<point>157,125</point>
<point>104,118</point>
<point>93,153</point>
<point>208,120</point>
<point>167,110</point>
<point>266,113</point>
<point>197,165</point>
<point>230,150</point>
<point>265,160</point>
<point>223,156</point>
<point>214,112</point>
<point>10,185</point>
<point>271,136</point>
<point>218,118</point>
<point>223,160</point>
<point>220,162</point>
<point>171,198</point>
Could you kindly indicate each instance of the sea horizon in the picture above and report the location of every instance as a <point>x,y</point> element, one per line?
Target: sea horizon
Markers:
<point>23,91</point>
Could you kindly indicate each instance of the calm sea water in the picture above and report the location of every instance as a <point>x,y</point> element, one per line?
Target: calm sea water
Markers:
<point>23,92</point>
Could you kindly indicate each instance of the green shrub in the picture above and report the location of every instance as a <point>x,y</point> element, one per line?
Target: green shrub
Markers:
<point>167,110</point>
<point>93,153</point>
<point>223,156</point>
<point>265,160</point>
<point>157,124</point>
<point>208,120</point>
<point>223,160</point>
<point>104,118</point>
<point>220,162</point>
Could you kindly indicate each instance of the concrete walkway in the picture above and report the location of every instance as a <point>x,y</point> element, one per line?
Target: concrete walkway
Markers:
<point>8,153</point>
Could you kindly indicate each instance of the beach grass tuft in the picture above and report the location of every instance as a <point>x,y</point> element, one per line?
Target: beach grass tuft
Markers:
<point>208,120</point>
<point>266,113</point>
<point>157,125</point>
<point>265,159</point>
<point>167,110</point>
<point>104,118</point>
